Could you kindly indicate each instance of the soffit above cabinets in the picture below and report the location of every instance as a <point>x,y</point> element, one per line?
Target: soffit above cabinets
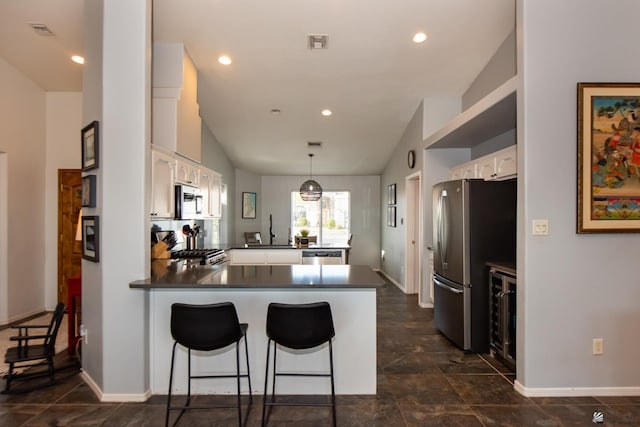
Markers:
<point>493,115</point>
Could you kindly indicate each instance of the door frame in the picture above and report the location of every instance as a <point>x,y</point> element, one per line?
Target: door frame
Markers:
<point>4,251</point>
<point>413,234</point>
<point>60,283</point>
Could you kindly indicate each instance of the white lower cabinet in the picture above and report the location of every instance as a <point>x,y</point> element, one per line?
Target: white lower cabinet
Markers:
<point>163,169</point>
<point>265,256</point>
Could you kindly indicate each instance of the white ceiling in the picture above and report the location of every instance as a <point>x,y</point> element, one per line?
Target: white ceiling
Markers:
<point>372,75</point>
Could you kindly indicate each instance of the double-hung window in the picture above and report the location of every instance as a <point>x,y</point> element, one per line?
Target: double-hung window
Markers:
<point>328,218</point>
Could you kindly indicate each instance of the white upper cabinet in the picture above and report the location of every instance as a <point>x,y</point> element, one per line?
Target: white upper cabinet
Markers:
<point>176,113</point>
<point>167,170</point>
<point>499,165</point>
<point>211,188</point>
<point>187,173</point>
<point>163,169</point>
<point>465,170</point>
<point>506,162</point>
<point>485,167</point>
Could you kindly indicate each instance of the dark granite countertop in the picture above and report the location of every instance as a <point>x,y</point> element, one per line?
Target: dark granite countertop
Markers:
<point>181,275</point>
<point>285,246</point>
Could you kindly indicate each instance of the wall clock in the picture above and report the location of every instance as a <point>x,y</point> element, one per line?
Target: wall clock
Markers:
<point>411,159</point>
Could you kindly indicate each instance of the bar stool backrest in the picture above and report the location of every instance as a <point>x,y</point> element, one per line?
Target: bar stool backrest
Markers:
<point>205,327</point>
<point>300,326</point>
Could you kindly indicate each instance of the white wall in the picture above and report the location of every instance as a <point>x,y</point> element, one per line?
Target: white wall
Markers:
<point>22,136</point>
<point>115,358</point>
<point>214,157</point>
<point>275,198</point>
<point>247,182</point>
<point>571,287</point>
<point>431,115</point>
<point>393,240</point>
<point>500,68</point>
<point>63,124</point>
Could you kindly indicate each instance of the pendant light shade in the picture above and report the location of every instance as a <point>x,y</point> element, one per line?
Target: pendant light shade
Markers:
<point>310,190</point>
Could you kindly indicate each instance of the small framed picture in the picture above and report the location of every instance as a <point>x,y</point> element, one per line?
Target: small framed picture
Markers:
<point>391,194</point>
<point>91,238</point>
<point>248,205</point>
<point>89,191</point>
<point>391,216</point>
<point>90,145</point>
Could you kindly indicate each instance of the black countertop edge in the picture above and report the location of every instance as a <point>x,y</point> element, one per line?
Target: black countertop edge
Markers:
<point>267,246</point>
<point>263,277</point>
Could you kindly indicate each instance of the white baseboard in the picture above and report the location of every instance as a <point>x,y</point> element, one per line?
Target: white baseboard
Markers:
<point>24,316</point>
<point>575,391</point>
<point>113,397</point>
<point>398,285</point>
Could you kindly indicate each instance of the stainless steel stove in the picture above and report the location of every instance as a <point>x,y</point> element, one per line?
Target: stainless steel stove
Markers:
<point>201,256</point>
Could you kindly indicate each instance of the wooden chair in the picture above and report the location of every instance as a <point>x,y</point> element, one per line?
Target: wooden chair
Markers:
<point>253,238</point>
<point>28,354</point>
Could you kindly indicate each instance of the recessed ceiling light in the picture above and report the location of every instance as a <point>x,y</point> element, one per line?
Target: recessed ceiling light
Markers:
<point>77,59</point>
<point>326,113</point>
<point>224,60</point>
<point>275,111</point>
<point>419,37</point>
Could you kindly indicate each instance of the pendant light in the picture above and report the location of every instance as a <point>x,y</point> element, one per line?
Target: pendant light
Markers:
<point>310,190</point>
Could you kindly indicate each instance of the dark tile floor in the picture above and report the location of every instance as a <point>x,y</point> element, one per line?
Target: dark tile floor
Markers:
<point>423,380</point>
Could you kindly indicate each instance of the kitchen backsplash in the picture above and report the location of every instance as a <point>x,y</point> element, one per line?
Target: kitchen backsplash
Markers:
<point>209,236</point>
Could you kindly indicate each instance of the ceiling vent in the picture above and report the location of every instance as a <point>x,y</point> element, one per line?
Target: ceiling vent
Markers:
<point>40,29</point>
<point>317,41</point>
<point>314,144</point>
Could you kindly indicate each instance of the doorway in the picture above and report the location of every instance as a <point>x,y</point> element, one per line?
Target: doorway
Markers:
<point>69,249</point>
<point>413,239</point>
<point>4,253</point>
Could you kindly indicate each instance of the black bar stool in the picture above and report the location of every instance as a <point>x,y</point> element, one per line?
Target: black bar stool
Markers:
<point>206,328</point>
<point>298,326</point>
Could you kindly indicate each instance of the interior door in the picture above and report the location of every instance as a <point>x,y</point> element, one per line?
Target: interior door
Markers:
<point>69,249</point>
<point>413,244</point>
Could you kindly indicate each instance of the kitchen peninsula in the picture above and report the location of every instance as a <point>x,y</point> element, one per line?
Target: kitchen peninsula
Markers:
<point>350,289</point>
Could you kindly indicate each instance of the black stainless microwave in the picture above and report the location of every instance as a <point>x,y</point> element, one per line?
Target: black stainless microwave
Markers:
<point>188,202</point>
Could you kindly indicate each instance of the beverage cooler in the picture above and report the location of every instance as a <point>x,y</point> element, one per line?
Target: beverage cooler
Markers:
<point>502,313</point>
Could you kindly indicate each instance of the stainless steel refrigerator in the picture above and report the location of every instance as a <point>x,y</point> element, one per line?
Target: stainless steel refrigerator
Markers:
<point>474,222</point>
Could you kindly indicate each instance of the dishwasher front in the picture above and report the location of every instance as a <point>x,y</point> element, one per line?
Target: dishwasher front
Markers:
<point>321,257</point>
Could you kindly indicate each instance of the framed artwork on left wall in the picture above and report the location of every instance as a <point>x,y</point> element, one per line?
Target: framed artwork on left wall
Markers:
<point>91,238</point>
<point>89,191</point>
<point>90,145</point>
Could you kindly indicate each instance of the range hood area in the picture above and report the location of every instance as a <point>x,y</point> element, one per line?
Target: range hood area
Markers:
<point>176,114</point>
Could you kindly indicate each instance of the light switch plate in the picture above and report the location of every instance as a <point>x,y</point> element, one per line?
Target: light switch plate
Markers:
<point>540,227</point>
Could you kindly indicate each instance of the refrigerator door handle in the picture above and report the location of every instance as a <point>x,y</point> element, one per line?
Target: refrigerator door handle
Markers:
<point>446,287</point>
<point>443,225</point>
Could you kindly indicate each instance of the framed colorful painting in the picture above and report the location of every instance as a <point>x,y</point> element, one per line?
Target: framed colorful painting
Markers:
<point>608,158</point>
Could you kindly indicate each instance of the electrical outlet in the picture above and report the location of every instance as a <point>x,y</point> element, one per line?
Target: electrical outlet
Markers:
<point>598,346</point>
<point>84,333</point>
<point>540,227</point>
